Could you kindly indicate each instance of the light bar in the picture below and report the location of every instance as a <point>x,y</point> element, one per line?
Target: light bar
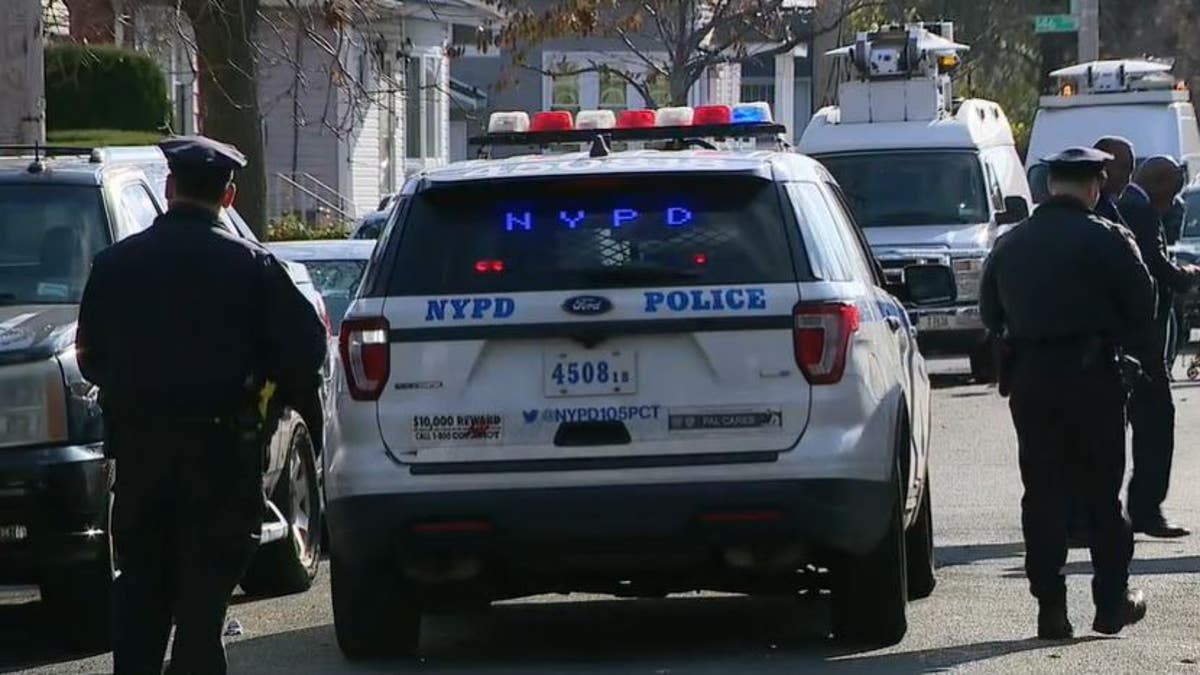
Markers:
<point>712,114</point>
<point>673,117</point>
<point>749,113</point>
<point>508,123</point>
<point>551,120</point>
<point>595,119</point>
<point>635,119</point>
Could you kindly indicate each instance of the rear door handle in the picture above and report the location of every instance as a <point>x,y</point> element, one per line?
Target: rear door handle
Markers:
<point>893,323</point>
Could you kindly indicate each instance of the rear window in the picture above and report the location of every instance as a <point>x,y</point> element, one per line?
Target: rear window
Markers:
<point>337,281</point>
<point>48,236</point>
<point>594,232</point>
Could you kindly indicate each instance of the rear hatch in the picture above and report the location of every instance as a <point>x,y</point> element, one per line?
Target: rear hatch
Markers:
<point>610,316</point>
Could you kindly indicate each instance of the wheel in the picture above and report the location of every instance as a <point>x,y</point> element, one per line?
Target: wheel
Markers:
<point>78,599</point>
<point>290,565</point>
<point>1193,372</point>
<point>870,591</point>
<point>983,362</point>
<point>918,548</point>
<point>375,614</point>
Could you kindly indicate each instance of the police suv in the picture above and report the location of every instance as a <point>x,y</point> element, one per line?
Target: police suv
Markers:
<point>928,177</point>
<point>633,372</point>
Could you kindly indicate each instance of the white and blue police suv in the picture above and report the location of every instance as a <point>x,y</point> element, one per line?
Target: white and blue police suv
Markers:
<point>635,372</point>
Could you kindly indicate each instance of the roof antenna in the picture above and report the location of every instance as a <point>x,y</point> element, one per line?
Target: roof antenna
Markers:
<point>599,147</point>
<point>37,165</point>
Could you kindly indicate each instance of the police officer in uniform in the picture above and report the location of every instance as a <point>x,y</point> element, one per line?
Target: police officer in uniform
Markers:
<point>1151,407</point>
<point>1067,289</point>
<point>179,327</point>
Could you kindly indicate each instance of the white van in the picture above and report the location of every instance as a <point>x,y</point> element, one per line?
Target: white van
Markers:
<point>1139,100</point>
<point>927,179</point>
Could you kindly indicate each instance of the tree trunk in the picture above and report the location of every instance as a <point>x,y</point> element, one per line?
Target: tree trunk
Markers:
<point>226,49</point>
<point>21,78</point>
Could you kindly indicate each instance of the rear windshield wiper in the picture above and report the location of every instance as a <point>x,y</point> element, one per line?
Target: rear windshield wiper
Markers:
<point>639,273</point>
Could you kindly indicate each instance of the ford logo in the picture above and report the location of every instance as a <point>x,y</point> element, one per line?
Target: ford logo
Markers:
<point>587,305</point>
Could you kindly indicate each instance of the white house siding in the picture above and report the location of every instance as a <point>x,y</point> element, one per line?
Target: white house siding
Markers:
<point>305,109</point>
<point>363,157</point>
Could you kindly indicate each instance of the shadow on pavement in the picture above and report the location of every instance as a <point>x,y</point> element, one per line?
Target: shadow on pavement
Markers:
<point>712,634</point>
<point>949,380</point>
<point>951,556</point>
<point>1139,567</point>
<point>28,639</point>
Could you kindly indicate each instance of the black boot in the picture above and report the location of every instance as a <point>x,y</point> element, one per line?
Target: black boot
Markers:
<point>1053,623</point>
<point>1130,610</point>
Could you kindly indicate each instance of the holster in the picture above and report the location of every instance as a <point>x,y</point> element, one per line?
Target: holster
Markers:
<point>1006,355</point>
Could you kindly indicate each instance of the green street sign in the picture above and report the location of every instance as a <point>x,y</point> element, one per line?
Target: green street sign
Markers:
<point>1055,23</point>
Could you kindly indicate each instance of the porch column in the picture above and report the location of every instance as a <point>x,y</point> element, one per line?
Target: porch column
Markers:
<point>785,91</point>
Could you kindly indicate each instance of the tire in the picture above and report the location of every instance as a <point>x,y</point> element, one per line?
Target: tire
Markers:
<point>375,614</point>
<point>79,599</point>
<point>870,591</point>
<point>290,565</point>
<point>983,362</point>
<point>918,547</point>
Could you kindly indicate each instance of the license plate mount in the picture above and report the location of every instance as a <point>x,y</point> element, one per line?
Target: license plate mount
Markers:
<point>589,372</point>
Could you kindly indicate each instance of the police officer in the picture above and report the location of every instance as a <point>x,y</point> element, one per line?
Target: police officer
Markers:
<point>1067,289</point>
<point>179,326</point>
<point>1151,408</point>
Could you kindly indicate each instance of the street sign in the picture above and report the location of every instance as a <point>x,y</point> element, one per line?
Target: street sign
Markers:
<point>1055,23</point>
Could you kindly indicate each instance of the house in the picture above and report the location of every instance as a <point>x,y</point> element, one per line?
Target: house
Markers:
<point>351,104</point>
<point>784,81</point>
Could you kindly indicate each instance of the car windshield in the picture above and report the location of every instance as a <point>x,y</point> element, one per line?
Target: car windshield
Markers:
<point>1191,215</point>
<point>913,188</point>
<point>593,232</point>
<point>48,236</point>
<point>337,282</point>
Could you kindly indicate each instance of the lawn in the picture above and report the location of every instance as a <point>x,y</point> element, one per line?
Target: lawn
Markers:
<point>97,138</point>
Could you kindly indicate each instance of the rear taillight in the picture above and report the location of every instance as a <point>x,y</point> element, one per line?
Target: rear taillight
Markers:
<point>822,338</point>
<point>366,356</point>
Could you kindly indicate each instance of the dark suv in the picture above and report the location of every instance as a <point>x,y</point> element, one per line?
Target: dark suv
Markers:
<point>56,213</point>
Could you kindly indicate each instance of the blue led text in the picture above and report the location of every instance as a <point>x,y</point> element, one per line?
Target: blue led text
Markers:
<point>572,218</point>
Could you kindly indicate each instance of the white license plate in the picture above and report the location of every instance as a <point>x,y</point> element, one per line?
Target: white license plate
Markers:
<point>934,322</point>
<point>589,372</point>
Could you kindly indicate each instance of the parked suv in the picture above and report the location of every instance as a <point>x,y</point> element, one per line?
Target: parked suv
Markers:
<point>56,213</point>
<point>637,373</point>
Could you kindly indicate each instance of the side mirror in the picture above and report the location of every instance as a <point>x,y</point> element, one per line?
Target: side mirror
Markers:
<point>925,285</point>
<point>1015,210</point>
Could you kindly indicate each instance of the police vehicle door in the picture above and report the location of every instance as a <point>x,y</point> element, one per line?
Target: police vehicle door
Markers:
<point>839,257</point>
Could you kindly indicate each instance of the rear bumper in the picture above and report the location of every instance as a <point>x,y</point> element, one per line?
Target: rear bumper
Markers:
<point>573,538</point>
<point>53,504</point>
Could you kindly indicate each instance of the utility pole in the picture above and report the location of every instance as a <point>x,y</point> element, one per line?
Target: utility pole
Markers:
<point>1089,30</point>
<point>22,78</point>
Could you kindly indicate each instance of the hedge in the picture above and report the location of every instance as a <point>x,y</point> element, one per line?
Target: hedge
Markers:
<point>104,87</point>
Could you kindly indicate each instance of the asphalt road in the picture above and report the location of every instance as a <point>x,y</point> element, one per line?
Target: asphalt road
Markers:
<point>980,618</point>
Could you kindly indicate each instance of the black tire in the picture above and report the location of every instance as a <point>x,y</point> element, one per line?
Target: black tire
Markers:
<point>290,565</point>
<point>78,599</point>
<point>918,550</point>
<point>983,362</point>
<point>375,614</point>
<point>870,591</point>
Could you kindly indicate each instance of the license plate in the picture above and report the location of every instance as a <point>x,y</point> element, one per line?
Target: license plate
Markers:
<point>934,322</point>
<point>590,372</point>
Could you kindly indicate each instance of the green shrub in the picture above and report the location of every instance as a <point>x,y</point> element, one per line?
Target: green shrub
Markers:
<point>289,227</point>
<point>104,87</point>
<point>97,138</point>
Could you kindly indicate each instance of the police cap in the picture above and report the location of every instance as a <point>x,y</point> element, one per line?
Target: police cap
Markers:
<point>200,153</point>
<point>1078,163</point>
